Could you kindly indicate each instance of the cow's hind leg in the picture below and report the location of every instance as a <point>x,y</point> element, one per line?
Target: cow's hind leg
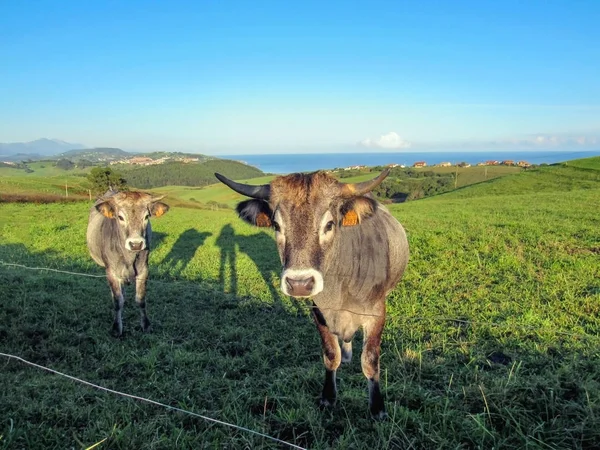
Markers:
<point>332,357</point>
<point>370,363</point>
<point>116,289</point>
<point>346,352</point>
<point>140,299</point>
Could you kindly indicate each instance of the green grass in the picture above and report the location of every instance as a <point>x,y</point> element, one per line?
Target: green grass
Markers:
<point>491,340</point>
<point>29,184</point>
<point>474,174</point>
<point>586,163</point>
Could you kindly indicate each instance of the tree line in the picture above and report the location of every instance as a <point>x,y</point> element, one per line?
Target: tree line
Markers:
<point>178,174</point>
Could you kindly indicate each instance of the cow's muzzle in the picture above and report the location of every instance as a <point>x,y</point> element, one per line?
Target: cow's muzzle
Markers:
<point>135,245</point>
<point>301,283</point>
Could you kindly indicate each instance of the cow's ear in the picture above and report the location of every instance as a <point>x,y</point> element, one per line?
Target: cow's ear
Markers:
<point>106,209</point>
<point>356,210</point>
<point>158,209</point>
<point>256,212</point>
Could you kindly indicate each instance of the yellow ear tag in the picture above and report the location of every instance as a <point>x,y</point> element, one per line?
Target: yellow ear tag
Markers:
<point>350,219</point>
<point>160,211</point>
<point>106,212</point>
<point>262,220</point>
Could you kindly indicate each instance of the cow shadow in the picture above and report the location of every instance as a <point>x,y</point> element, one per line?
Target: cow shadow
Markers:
<point>261,249</point>
<point>183,250</point>
<point>157,239</point>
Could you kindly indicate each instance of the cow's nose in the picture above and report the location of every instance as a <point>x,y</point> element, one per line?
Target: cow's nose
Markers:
<point>135,245</point>
<point>300,287</point>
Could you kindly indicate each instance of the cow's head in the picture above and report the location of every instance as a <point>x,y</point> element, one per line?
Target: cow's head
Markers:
<point>306,211</point>
<point>132,210</point>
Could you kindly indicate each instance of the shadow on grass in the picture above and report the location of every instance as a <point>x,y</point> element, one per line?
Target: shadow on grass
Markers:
<point>157,239</point>
<point>183,250</point>
<point>261,249</point>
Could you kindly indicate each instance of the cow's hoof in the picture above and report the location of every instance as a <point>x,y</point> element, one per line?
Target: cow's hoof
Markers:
<point>117,330</point>
<point>146,328</point>
<point>379,415</point>
<point>326,403</point>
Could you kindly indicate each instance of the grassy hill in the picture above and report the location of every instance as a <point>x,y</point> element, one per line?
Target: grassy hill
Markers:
<point>576,175</point>
<point>187,174</point>
<point>585,163</point>
<point>491,339</point>
<point>44,180</point>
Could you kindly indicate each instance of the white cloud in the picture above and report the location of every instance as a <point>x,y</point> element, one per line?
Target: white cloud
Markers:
<point>544,140</point>
<point>391,140</point>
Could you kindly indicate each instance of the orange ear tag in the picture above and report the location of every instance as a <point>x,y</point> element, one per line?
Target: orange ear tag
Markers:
<point>106,212</point>
<point>350,219</point>
<point>262,220</point>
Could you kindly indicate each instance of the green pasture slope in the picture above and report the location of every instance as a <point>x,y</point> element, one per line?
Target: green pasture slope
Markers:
<point>45,179</point>
<point>492,338</point>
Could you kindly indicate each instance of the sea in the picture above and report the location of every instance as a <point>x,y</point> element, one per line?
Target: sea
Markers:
<point>289,163</point>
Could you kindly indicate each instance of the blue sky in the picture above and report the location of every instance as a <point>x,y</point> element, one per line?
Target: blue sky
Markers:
<point>259,77</point>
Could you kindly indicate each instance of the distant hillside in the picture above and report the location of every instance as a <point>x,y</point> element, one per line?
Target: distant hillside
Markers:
<point>95,154</point>
<point>118,156</point>
<point>17,151</point>
<point>191,174</point>
<point>563,177</point>
<point>585,163</point>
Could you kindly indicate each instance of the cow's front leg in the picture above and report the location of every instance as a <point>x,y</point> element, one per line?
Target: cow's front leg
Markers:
<point>141,277</point>
<point>370,363</point>
<point>140,299</point>
<point>332,356</point>
<point>116,288</point>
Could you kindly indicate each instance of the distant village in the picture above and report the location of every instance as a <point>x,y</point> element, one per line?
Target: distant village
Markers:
<point>145,161</point>
<point>418,164</point>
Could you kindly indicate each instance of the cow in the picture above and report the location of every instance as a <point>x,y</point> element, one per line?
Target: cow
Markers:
<point>118,239</point>
<point>343,250</point>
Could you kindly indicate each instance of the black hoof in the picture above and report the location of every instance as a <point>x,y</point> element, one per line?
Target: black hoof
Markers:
<point>117,331</point>
<point>379,415</point>
<point>326,403</point>
<point>146,328</point>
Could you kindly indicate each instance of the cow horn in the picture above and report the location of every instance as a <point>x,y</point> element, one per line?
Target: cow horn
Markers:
<point>365,186</point>
<point>262,192</point>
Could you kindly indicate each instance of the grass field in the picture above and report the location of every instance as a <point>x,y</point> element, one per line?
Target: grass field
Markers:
<point>474,174</point>
<point>492,338</point>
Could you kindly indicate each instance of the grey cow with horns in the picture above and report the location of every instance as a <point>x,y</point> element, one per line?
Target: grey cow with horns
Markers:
<point>343,250</point>
<point>118,238</point>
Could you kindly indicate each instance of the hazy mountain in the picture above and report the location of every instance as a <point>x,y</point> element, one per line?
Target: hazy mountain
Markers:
<point>35,149</point>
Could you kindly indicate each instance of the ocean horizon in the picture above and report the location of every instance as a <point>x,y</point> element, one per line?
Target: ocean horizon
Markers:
<point>307,162</point>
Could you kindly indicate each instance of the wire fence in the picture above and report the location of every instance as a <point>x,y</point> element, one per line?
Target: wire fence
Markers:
<point>147,400</point>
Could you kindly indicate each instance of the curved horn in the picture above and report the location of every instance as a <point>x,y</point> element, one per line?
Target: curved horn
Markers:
<point>262,192</point>
<point>365,186</point>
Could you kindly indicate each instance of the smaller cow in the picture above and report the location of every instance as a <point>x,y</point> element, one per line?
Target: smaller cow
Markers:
<point>118,238</point>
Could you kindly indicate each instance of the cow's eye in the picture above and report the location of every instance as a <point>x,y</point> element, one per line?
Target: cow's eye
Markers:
<point>121,218</point>
<point>276,226</point>
<point>329,226</point>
